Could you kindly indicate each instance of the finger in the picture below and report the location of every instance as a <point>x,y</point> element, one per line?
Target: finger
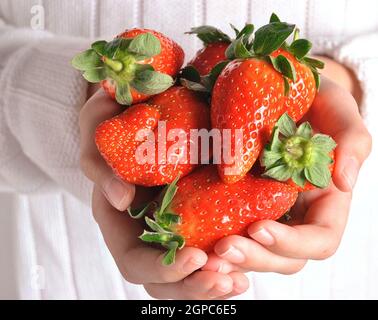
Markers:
<point>249,255</point>
<point>200,285</point>
<point>98,109</point>
<point>317,238</point>
<point>138,262</point>
<point>241,284</point>
<point>335,112</point>
<point>217,264</point>
<point>354,147</point>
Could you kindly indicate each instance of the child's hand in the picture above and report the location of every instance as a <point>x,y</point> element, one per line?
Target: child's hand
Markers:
<point>320,216</point>
<point>137,262</point>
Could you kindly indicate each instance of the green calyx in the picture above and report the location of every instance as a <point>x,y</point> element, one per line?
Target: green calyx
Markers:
<point>163,224</point>
<point>209,34</point>
<point>122,61</point>
<point>298,154</point>
<point>262,43</point>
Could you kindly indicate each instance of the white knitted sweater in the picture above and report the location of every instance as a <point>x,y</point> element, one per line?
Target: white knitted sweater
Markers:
<point>49,245</point>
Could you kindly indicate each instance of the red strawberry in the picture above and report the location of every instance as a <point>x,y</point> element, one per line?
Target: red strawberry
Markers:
<point>116,138</point>
<point>208,57</point>
<point>250,93</point>
<point>215,45</point>
<point>135,65</point>
<point>302,91</point>
<point>298,156</point>
<point>202,209</point>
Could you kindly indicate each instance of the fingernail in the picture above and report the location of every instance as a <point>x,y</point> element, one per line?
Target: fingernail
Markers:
<point>193,265</point>
<point>115,191</point>
<point>350,172</point>
<point>232,254</point>
<point>219,291</point>
<point>264,237</point>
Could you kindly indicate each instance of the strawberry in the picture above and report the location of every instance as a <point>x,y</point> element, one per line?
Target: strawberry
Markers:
<point>215,45</point>
<point>208,57</point>
<point>135,65</point>
<point>202,209</point>
<point>252,91</point>
<point>298,156</point>
<point>125,152</point>
<point>201,72</point>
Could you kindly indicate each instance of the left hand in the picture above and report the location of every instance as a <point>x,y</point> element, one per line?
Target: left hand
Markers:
<point>319,216</point>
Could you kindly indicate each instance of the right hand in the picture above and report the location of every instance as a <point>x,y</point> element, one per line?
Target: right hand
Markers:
<point>138,262</point>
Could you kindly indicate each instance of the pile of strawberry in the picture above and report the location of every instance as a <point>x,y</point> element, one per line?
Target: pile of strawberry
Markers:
<point>257,82</point>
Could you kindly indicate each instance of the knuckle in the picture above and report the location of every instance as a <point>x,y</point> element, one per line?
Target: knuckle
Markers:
<point>329,248</point>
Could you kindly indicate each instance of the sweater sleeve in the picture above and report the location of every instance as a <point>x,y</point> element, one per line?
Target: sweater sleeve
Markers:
<point>40,99</point>
<point>361,55</point>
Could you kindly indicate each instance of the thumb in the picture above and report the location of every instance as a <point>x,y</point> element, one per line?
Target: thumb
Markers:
<point>354,146</point>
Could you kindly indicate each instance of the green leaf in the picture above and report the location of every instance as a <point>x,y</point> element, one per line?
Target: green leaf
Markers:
<point>236,30</point>
<point>195,86</point>
<point>270,158</point>
<point>175,238</point>
<point>117,48</point>
<point>155,237</point>
<point>280,172</point>
<point>169,194</point>
<point>276,143</point>
<point>143,67</point>
<point>123,94</point>
<point>323,142</point>
<point>284,66</point>
<point>190,73</point>
<point>271,36</point>
<point>240,50</point>
<point>300,48</point>
<point>274,18</point>
<point>318,175</point>
<point>151,82</point>
<point>99,47</point>
<point>138,213</point>
<point>167,220</point>
<point>286,125</point>
<point>322,158</point>
<point>170,256</point>
<point>95,75</point>
<point>317,79</point>
<point>246,32</point>
<point>230,51</point>
<point>145,44</point>
<point>217,70</point>
<point>209,80</point>
<point>286,87</point>
<point>304,130</point>
<point>314,63</point>
<point>209,34</point>
<point>154,225</point>
<point>299,178</point>
<point>87,60</point>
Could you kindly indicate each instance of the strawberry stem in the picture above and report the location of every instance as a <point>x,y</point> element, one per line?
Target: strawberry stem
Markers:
<point>116,66</point>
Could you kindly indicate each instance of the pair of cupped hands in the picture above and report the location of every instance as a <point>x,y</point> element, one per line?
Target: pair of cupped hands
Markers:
<point>314,232</point>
